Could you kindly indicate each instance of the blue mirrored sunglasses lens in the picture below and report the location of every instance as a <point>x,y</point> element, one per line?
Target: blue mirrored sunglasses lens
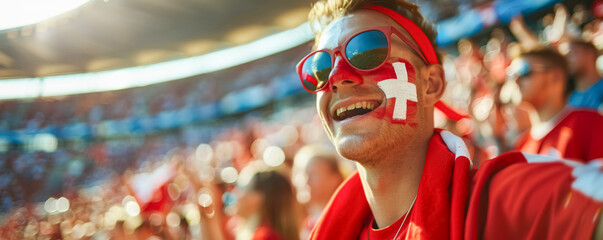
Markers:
<point>523,69</point>
<point>367,50</point>
<point>316,70</point>
<point>519,68</point>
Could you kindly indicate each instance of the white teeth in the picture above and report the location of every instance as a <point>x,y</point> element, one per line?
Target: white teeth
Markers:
<point>362,104</point>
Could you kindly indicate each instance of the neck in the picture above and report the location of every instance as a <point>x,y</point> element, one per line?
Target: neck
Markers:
<point>588,78</point>
<point>549,111</point>
<point>391,184</point>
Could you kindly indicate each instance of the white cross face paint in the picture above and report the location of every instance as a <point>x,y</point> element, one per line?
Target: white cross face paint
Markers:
<point>399,89</point>
<point>402,92</point>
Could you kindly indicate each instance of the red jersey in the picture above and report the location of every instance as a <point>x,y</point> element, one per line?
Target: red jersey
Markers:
<point>369,231</point>
<point>542,198</point>
<point>513,196</point>
<point>574,134</point>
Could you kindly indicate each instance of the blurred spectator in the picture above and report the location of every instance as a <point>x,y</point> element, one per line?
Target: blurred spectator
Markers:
<point>582,58</point>
<point>316,175</point>
<point>542,76</point>
<point>267,209</point>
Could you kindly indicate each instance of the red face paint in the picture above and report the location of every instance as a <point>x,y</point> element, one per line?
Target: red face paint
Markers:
<point>397,80</point>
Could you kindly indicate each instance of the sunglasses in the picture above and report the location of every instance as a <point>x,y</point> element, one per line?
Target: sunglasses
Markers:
<point>520,69</point>
<point>364,51</point>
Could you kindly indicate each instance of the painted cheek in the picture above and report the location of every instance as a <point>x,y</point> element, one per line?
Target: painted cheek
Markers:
<point>397,80</point>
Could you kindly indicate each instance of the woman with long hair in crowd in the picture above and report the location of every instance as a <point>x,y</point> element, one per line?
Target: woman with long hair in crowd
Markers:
<point>267,208</point>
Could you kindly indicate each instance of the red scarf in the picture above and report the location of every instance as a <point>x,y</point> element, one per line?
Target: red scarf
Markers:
<point>439,211</point>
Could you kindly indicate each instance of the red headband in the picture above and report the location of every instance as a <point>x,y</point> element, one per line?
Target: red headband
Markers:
<point>430,54</point>
<point>415,32</point>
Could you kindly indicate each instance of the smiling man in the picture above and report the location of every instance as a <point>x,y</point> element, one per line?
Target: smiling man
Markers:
<point>558,130</point>
<point>377,78</point>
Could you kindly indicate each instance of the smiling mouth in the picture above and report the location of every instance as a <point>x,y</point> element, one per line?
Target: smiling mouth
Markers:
<point>355,109</point>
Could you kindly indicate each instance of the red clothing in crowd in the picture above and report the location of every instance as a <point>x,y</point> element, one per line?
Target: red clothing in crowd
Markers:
<point>388,232</point>
<point>513,196</point>
<point>265,232</point>
<point>574,134</point>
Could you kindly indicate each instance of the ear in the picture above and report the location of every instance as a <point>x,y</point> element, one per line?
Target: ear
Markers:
<point>435,84</point>
<point>558,80</point>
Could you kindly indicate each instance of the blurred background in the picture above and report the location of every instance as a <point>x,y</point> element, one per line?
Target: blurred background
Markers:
<point>140,119</point>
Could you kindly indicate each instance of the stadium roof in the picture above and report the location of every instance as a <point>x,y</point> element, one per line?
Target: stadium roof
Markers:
<point>111,34</point>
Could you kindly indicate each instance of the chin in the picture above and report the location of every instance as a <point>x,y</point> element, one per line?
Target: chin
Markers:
<point>370,146</point>
<point>354,148</point>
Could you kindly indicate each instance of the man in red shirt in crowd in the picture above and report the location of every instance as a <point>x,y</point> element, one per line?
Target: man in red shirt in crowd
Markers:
<point>377,79</point>
<point>558,130</point>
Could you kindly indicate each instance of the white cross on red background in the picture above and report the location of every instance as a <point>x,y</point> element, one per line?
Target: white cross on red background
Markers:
<point>399,89</point>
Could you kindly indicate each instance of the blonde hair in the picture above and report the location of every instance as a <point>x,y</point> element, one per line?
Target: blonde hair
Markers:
<point>326,11</point>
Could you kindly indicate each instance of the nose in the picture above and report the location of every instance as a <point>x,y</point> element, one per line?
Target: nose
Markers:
<point>343,75</point>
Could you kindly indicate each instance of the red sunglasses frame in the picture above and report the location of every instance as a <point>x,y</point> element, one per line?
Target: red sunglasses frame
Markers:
<point>386,30</point>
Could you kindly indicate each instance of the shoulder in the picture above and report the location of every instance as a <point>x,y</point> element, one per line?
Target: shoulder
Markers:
<point>520,195</point>
<point>524,183</point>
<point>582,120</point>
<point>598,85</point>
<point>347,209</point>
<point>529,173</point>
<point>583,113</point>
<point>585,121</point>
<point>591,97</point>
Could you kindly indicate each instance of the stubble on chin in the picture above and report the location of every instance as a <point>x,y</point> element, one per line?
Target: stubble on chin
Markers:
<point>371,149</point>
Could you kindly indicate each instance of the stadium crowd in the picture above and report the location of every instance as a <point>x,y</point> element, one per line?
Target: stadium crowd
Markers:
<point>185,182</point>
